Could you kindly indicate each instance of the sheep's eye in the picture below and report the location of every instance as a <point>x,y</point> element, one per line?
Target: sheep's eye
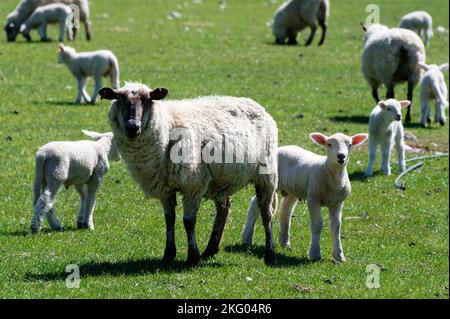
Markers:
<point>329,144</point>
<point>349,145</point>
<point>388,108</point>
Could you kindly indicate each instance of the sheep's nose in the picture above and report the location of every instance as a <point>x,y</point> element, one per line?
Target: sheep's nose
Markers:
<point>399,117</point>
<point>341,156</point>
<point>132,129</point>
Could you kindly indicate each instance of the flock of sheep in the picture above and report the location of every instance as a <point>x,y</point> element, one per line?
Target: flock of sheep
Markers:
<point>177,146</point>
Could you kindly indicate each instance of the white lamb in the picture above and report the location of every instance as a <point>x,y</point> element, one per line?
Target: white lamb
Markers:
<point>151,134</point>
<point>295,15</point>
<point>432,86</point>
<point>385,130</point>
<point>98,64</point>
<point>26,7</point>
<point>418,21</point>
<point>51,13</point>
<point>320,180</point>
<point>392,56</point>
<point>82,164</point>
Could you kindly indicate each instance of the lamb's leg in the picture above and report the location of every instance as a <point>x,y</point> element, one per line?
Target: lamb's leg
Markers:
<point>323,25</point>
<point>43,205</point>
<point>312,34</point>
<point>82,94</point>
<point>169,204</point>
<point>386,157</point>
<point>191,206</point>
<point>82,189</point>
<point>62,30</point>
<point>287,207</point>
<point>92,188</point>
<point>424,111</point>
<point>292,37</point>
<point>265,197</point>
<point>249,227</point>
<point>410,98</point>
<point>97,87</point>
<point>400,147</point>
<point>223,208</point>
<point>335,226</point>
<point>316,225</point>
<point>87,29</point>
<point>52,220</point>
<point>372,157</point>
<point>42,30</point>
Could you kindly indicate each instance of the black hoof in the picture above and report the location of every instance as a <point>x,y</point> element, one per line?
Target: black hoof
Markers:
<point>428,120</point>
<point>193,258</point>
<point>81,225</point>
<point>269,258</point>
<point>442,123</point>
<point>169,255</point>
<point>209,252</point>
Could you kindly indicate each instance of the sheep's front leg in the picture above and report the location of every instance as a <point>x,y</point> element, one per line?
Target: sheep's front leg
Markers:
<point>424,111</point>
<point>386,148</point>
<point>83,191</point>
<point>82,94</point>
<point>169,204</point>
<point>287,207</point>
<point>92,188</point>
<point>335,226</point>
<point>316,225</point>
<point>372,157</point>
<point>223,208</point>
<point>191,206</point>
<point>292,37</point>
<point>42,30</point>
<point>312,34</point>
<point>62,30</point>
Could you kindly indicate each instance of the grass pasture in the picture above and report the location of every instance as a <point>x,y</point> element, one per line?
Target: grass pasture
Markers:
<point>229,52</point>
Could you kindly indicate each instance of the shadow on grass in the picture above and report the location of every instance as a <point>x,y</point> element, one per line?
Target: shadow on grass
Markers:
<point>360,119</point>
<point>60,103</point>
<point>25,233</point>
<point>282,260</point>
<point>357,176</point>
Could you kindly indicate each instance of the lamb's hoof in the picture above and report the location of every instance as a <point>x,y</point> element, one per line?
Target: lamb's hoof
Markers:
<point>441,123</point>
<point>209,252</point>
<point>308,43</point>
<point>34,231</point>
<point>429,120</point>
<point>169,254</point>
<point>269,258</point>
<point>193,258</point>
<point>339,259</point>
<point>81,225</point>
<point>59,229</point>
<point>315,256</point>
<point>292,42</point>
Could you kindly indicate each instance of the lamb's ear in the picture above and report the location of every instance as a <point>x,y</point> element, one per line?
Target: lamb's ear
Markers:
<point>108,93</point>
<point>443,67</point>
<point>404,103</point>
<point>382,104</point>
<point>359,138</point>
<point>318,138</point>
<point>93,135</point>
<point>158,94</point>
<point>363,27</point>
<point>424,66</point>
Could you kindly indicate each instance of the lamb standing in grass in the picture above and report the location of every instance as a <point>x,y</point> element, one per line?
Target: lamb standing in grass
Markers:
<point>432,86</point>
<point>320,180</point>
<point>392,56</point>
<point>26,7</point>
<point>51,13</point>
<point>295,15</point>
<point>150,133</point>
<point>418,21</point>
<point>82,164</point>
<point>96,63</point>
<point>385,130</point>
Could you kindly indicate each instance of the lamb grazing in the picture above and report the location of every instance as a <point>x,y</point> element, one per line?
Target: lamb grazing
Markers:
<point>392,56</point>
<point>418,21</point>
<point>82,164</point>
<point>432,86</point>
<point>295,15</point>
<point>385,130</point>
<point>96,63</point>
<point>51,13</point>
<point>26,7</point>
<point>151,134</point>
<point>320,180</point>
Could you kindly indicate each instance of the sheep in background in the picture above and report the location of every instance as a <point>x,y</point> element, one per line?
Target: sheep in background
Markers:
<point>432,86</point>
<point>418,21</point>
<point>151,133</point>
<point>96,64</point>
<point>320,180</point>
<point>385,130</point>
<point>392,56</point>
<point>26,7</point>
<point>82,164</point>
<point>295,15</point>
<point>51,13</point>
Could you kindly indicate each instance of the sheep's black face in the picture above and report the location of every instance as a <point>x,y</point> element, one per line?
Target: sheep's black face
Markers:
<point>11,32</point>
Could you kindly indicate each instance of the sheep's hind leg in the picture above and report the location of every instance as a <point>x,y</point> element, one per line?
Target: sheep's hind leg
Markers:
<point>311,35</point>
<point>292,37</point>
<point>324,31</point>
<point>97,87</point>
<point>288,204</point>
<point>265,198</point>
<point>222,210</point>
<point>410,98</point>
<point>191,206</point>
<point>82,190</point>
<point>169,205</point>
<point>43,206</point>
<point>249,227</point>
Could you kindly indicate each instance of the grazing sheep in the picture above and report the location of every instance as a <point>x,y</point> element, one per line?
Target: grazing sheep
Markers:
<point>320,180</point>
<point>82,164</point>
<point>418,21</point>
<point>385,130</point>
<point>150,135</point>
<point>26,7</point>
<point>432,86</point>
<point>295,15</point>
<point>96,63</point>
<point>392,56</point>
<point>51,13</point>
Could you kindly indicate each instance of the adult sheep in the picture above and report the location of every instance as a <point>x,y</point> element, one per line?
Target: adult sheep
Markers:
<point>151,134</point>
<point>392,56</point>
<point>26,7</point>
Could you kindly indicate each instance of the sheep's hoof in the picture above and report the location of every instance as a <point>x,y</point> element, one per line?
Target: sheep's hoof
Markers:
<point>269,258</point>
<point>81,225</point>
<point>209,252</point>
<point>428,120</point>
<point>169,254</point>
<point>441,123</point>
<point>34,231</point>
<point>193,258</point>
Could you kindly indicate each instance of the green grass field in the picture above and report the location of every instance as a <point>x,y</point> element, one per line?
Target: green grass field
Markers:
<point>229,52</point>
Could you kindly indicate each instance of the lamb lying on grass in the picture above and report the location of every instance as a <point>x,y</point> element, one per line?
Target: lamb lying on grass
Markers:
<point>82,164</point>
<point>385,130</point>
<point>51,13</point>
<point>98,64</point>
<point>320,180</point>
<point>418,21</point>
<point>432,86</point>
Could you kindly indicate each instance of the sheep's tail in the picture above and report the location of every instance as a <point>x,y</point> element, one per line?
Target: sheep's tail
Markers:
<point>39,178</point>
<point>438,93</point>
<point>115,76</point>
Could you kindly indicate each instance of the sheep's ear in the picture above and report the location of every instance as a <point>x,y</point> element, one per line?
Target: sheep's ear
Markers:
<point>158,94</point>
<point>363,27</point>
<point>382,104</point>
<point>359,138</point>
<point>93,135</point>
<point>22,28</point>
<point>405,103</point>
<point>424,66</point>
<point>318,138</point>
<point>108,93</point>
<point>443,67</point>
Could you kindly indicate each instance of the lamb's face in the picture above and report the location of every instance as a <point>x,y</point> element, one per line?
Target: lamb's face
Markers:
<point>132,107</point>
<point>392,109</point>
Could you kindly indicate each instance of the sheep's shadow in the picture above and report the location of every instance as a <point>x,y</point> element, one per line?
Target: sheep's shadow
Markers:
<point>61,103</point>
<point>26,233</point>
<point>360,119</point>
<point>283,261</point>
<point>357,176</point>
<point>121,268</point>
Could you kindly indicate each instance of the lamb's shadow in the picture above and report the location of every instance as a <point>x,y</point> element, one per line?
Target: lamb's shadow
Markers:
<point>361,119</point>
<point>121,268</point>
<point>25,233</point>
<point>357,176</point>
<point>258,251</point>
<point>61,103</point>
